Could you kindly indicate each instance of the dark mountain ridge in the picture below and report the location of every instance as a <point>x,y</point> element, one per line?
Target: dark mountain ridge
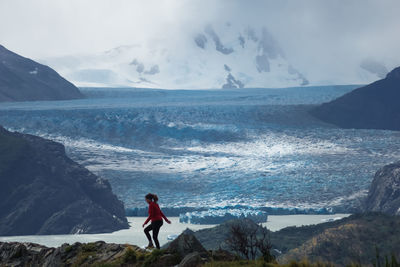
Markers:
<point>374,106</point>
<point>45,192</point>
<point>22,79</point>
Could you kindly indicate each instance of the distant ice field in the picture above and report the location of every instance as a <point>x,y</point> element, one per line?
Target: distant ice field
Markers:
<point>214,148</point>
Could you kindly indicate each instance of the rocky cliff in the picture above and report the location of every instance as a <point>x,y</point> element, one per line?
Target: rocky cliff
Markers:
<point>45,192</point>
<point>30,254</point>
<point>384,192</point>
<point>375,106</point>
<point>22,79</point>
<point>185,251</point>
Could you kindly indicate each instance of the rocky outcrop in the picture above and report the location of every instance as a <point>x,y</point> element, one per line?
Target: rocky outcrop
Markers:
<point>191,260</point>
<point>231,83</point>
<point>22,79</point>
<point>375,106</point>
<point>185,251</point>
<point>218,44</point>
<point>384,193</point>
<point>45,192</point>
<point>90,254</point>
<point>97,254</point>
<point>185,244</point>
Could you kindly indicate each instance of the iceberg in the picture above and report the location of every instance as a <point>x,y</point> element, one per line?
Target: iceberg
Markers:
<point>220,215</point>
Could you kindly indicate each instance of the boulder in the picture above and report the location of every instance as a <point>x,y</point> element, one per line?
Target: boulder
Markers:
<point>185,244</point>
<point>384,192</point>
<point>191,260</point>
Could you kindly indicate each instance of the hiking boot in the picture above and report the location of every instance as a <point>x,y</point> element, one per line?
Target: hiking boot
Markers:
<point>149,246</point>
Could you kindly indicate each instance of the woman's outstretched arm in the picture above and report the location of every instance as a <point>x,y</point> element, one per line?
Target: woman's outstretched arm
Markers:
<point>165,218</point>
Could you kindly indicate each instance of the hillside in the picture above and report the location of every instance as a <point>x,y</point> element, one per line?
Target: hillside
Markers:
<point>351,239</point>
<point>22,79</point>
<point>44,192</point>
<point>354,239</point>
<point>375,106</point>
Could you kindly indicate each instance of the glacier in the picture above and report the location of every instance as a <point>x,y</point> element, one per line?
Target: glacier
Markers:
<point>199,149</point>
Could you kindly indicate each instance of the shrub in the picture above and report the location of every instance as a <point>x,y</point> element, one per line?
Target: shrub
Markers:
<point>89,247</point>
<point>152,257</point>
<point>250,241</point>
<point>129,256</point>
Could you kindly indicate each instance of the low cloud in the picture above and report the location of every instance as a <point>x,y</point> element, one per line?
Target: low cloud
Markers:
<point>323,39</point>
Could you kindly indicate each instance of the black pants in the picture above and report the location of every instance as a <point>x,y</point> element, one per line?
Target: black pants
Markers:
<point>155,227</point>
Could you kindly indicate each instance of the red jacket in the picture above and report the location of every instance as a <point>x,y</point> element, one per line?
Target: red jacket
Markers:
<point>155,213</point>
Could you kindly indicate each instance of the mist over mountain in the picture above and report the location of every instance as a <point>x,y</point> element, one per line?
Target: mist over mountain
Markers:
<point>218,56</point>
<point>225,55</point>
<point>177,44</point>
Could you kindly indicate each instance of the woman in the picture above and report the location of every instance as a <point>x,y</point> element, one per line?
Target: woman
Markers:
<point>156,216</point>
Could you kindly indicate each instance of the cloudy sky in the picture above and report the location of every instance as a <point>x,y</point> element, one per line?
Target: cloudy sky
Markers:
<point>317,35</point>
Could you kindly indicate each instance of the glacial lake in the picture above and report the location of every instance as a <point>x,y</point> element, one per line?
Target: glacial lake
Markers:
<point>135,234</point>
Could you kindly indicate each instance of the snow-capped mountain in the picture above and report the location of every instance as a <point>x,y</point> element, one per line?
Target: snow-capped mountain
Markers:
<point>220,56</point>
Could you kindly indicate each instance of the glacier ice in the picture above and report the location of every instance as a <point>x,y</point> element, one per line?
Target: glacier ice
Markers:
<point>257,148</point>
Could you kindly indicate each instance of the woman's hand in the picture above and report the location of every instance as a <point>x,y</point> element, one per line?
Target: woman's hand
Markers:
<point>168,221</point>
<point>143,225</point>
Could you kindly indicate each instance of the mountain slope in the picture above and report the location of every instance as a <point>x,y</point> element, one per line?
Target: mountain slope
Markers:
<point>375,106</point>
<point>44,192</point>
<point>22,79</point>
<point>354,240</point>
<point>218,56</point>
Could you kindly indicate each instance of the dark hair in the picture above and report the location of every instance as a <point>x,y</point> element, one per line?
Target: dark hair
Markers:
<point>152,197</point>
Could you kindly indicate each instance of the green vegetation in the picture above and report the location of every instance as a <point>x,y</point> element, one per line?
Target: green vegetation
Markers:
<point>343,242</point>
<point>89,247</point>
<point>353,239</point>
<point>129,256</point>
<point>152,257</point>
<point>261,263</point>
<point>83,259</point>
<point>68,248</point>
<point>293,237</point>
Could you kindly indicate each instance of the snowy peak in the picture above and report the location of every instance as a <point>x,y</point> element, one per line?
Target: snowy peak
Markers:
<point>218,56</point>
<point>258,51</point>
